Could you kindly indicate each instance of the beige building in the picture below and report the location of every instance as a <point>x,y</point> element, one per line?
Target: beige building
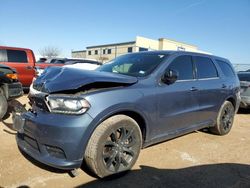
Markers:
<point>107,52</point>
<point>78,54</point>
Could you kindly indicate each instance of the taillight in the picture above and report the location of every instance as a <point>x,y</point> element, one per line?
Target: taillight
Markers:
<point>12,76</point>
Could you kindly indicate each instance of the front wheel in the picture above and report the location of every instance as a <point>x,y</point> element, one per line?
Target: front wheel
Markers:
<point>114,146</point>
<point>224,120</point>
<point>3,105</point>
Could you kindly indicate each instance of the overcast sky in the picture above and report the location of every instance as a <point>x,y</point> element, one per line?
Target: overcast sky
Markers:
<point>221,27</point>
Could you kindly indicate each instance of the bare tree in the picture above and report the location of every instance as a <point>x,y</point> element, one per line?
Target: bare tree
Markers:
<point>50,51</point>
<point>103,59</point>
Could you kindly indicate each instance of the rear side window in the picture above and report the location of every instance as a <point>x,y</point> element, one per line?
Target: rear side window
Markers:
<point>184,66</point>
<point>17,56</point>
<point>205,68</point>
<point>3,56</point>
<point>225,68</point>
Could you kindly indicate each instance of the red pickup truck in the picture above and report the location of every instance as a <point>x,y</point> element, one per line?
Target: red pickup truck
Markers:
<point>23,60</point>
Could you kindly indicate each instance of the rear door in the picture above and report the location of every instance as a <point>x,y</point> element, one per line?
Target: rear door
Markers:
<point>211,91</point>
<point>19,60</point>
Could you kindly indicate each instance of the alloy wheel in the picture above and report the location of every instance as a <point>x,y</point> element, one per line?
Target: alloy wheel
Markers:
<point>119,149</point>
<point>227,117</point>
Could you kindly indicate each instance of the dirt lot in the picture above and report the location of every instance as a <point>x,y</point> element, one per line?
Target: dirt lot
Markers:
<point>198,159</point>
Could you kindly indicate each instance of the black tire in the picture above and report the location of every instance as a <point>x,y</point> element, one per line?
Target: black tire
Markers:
<point>224,120</point>
<point>3,105</point>
<point>114,146</point>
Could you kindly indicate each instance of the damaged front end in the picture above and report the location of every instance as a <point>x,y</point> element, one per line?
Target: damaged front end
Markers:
<point>60,79</point>
<point>60,89</point>
<point>59,117</point>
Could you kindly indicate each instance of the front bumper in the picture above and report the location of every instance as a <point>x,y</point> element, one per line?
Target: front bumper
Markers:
<point>53,139</point>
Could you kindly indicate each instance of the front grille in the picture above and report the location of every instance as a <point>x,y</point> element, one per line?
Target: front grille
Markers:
<point>15,89</point>
<point>39,102</point>
<point>14,85</point>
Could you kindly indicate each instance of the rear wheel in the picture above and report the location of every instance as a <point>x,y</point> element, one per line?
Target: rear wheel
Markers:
<point>3,105</point>
<point>114,146</point>
<point>224,120</point>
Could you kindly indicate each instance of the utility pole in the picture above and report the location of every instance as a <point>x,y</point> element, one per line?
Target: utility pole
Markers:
<point>115,51</point>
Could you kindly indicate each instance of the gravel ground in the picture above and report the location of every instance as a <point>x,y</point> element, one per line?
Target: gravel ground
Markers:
<point>198,159</point>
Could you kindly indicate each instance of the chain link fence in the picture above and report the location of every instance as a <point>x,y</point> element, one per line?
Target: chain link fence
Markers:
<point>241,67</point>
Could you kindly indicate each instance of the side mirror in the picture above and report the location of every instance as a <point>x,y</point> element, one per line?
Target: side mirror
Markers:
<point>169,77</point>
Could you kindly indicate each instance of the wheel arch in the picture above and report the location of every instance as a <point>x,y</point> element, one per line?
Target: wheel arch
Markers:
<point>133,113</point>
<point>232,100</point>
<point>140,120</point>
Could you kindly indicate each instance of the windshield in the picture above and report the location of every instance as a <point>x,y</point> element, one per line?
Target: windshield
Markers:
<point>138,65</point>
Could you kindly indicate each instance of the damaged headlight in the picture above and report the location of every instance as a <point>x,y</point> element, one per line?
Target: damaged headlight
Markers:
<point>67,104</point>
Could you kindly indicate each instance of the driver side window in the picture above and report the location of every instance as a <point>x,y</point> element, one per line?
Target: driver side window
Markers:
<point>183,66</point>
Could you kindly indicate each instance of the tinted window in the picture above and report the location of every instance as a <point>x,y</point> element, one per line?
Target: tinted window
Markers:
<point>244,77</point>
<point>129,49</point>
<point>52,61</point>
<point>138,65</point>
<point>58,61</point>
<point>184,66</point>
<point>3,56</point>
<point>225,68</point>
<point>17,56</point>
<point>205,68</point>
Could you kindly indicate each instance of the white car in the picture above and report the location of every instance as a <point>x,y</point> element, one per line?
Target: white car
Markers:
<point>84,66</point>
<point>72,63</point>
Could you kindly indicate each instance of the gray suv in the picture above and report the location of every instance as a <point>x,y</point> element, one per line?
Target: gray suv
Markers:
<point>244,89</point>
<point>105,117</point>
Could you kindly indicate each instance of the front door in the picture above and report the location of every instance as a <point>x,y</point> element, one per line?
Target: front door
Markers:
<point>177,103</point>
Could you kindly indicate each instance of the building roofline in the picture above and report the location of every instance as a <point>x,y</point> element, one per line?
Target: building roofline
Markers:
<point>113,44</point>
<point>78,51</point>
<point>174,41</point>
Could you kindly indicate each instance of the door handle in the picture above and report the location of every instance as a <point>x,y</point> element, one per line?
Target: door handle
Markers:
<point>194,89</point>
<point>29,67</point>
<point>224,86</point>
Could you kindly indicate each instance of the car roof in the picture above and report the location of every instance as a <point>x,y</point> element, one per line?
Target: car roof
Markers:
<point>13,48</point>
<point>168,52</point>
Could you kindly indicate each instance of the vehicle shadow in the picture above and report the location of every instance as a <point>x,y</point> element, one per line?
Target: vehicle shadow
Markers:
<point>212,175</point>
<point>41,165</point>
<point>243,111</point>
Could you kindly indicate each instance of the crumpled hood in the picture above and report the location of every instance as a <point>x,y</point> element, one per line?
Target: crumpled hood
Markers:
<point>55,79</point>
